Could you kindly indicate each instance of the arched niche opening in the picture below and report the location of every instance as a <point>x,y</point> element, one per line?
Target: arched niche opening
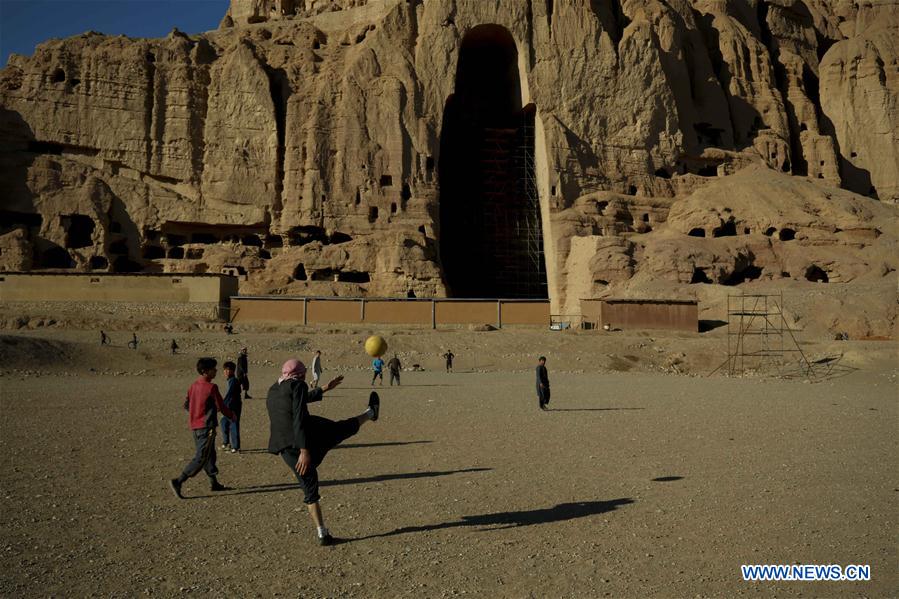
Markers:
<point>491,238</point>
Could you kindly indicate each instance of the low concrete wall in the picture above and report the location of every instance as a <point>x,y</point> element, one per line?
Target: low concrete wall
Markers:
<point>104,287</point>
<point>474,312</point>
<point>261,311</point>
<point>678,315</point>
<point>525,312</point>
<point>334,311</point>
<point>425,312</point>
<point>398,312</point>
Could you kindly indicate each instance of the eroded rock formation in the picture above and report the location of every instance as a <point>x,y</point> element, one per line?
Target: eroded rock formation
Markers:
<point>307,143</point>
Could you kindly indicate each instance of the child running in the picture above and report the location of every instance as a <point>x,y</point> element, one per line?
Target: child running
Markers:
<point>301,439</point>
<point>377,365</point>
<point>202,404</point>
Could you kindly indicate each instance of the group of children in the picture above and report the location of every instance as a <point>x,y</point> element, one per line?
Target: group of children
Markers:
<point>394,367</point>
<point>106,340</point>
<point>301,439</point>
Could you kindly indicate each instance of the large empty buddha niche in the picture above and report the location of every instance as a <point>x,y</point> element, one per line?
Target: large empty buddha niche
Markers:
<point>491,238</point>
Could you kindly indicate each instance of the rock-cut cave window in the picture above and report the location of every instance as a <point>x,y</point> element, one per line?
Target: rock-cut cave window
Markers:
<point>816,274</point>
<point>79,230</point>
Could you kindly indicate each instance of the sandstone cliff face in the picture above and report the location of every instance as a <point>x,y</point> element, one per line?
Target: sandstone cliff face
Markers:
<point>300,144</point>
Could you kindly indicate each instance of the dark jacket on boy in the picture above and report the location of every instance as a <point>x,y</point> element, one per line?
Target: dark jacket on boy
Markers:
<point>293,428</point>
<point>289,414</point>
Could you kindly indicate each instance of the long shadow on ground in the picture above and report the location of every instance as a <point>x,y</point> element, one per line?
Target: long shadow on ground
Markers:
<point>349,446</point>
<point>385,444</point>
<point>589,409</point>
<point>382,387</point>
<point>501,520</point>
<point>278,487</point>
<point>400,476</point>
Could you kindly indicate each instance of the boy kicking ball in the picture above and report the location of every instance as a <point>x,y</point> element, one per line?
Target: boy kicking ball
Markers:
<point>301,439</point>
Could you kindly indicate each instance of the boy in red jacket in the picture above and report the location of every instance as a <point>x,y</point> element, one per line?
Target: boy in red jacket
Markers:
<point>203,404</point>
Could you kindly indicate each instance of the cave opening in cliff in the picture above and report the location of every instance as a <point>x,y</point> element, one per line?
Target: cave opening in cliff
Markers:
<point>491,238</point>
<point>79,230</point>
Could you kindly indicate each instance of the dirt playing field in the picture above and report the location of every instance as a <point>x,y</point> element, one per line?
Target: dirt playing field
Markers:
<point>637,483</point>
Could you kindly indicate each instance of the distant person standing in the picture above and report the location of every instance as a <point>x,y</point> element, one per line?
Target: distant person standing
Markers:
<point>174,347</point>
<point>133,343</point>
<point>231,426</point>
<point>542,383</point>
<point>316,368</point>
<point>242,373</point>
<point>394,367</point>
<point>449,355</point>
<point>104,338</point>
<point>377,365</point>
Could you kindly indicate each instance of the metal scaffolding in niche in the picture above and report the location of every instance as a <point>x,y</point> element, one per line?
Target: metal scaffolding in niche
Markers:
<point>511,211</point>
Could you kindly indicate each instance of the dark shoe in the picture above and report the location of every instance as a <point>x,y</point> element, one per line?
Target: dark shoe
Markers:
<point>326,540</point>
<point>247,396</point>
<point>374,402</point>
<point>217,486</point>
<point>176,488</point>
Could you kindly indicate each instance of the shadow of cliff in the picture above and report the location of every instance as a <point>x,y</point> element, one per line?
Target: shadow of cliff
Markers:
<point>16,140</point>
<point>743,135</point>
<point>17,210</point>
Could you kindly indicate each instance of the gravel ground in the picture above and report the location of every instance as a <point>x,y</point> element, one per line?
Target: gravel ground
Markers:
<point>635,484</point>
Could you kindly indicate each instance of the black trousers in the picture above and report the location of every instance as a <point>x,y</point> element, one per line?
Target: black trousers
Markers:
<point>204,458</point>
<point>394,376</point>
<point>543,396</point>
<point>322,436</point>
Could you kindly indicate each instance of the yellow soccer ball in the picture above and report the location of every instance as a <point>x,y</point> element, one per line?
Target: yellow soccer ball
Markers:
<point>375,346</point>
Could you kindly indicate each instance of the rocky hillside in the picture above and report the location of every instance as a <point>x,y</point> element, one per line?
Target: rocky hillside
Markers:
<point>304,143</point>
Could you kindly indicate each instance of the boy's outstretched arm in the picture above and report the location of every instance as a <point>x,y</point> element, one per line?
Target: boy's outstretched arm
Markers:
<point>333,383</point>
<point>220,403</point>
<point>318,393</point>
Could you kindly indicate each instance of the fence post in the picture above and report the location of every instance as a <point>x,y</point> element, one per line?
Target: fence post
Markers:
<point>362,310</point>
<point>305,311</point>
<point>433,314</point>
<point>499,314</point>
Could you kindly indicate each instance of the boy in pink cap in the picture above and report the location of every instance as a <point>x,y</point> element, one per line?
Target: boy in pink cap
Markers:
<point>301,439</point>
